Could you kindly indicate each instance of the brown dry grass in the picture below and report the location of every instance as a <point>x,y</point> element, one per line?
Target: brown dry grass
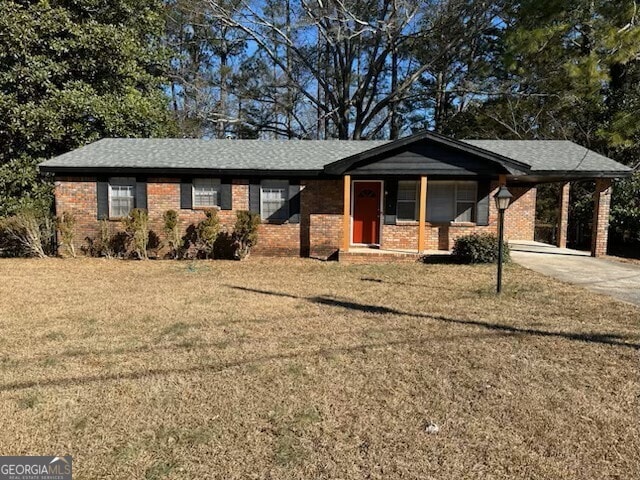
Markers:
<point>299,369</point>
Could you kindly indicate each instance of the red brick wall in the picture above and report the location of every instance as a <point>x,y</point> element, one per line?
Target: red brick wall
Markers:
<point>520,219</point>
<point>78,195</point>
<point>278,240</point>
<point>319,232</point>
<point>325,232</point>
<point>401,236</point>
<point>321,210</point>
<point>519,225</point>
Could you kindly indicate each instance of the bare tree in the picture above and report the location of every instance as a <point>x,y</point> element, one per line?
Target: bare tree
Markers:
<point>354,53</point>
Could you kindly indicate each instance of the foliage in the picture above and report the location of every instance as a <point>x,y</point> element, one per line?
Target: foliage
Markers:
<point>28,232</point>
<point>107,243</point>
<point>102,246</point>
<point>478,248</point>
<point>172,232</point>
<point>245,233</point>
<point>136,227</point>
<point>66,225</point>
<point>625,210</point>
<point>74,72</point>
<point>570,71</point>
<point>207,232</point>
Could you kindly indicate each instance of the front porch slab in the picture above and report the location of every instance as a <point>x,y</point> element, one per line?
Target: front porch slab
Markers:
<point>366,255</point>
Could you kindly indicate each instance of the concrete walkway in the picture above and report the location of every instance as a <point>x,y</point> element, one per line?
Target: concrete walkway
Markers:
<point>619,280</point>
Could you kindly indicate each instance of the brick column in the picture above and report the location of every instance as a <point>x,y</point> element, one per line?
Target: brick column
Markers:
<point>563,215</point>
<point>600,229</point>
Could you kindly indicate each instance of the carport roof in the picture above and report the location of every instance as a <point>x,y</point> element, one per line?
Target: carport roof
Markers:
<point>553,156</point>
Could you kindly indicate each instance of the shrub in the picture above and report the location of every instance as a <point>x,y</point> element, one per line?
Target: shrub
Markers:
<point>66,224</point>
<point>245,233</point>
<point>107,243</point>
<point>478,248</point>
<point>172,232</point>
<point>136,227</point>
<point>29,232</point>
<point>207,232</point>
<point>9,246</point>
<point>101,245</point>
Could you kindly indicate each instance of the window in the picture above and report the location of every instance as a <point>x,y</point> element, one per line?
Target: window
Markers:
<point>206,192</point>
<point>451,201</point>
<point>274,200</point>
<point>122,194</point>
<point>465,201</point>
<point>407,208</point>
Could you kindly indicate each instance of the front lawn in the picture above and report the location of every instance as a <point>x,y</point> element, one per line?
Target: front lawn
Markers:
<point>301,369</point>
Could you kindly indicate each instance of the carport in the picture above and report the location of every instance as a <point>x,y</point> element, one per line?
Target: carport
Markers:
<point>559,161</point>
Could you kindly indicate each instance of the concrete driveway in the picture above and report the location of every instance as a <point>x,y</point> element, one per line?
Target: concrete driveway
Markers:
<point>619,280</point>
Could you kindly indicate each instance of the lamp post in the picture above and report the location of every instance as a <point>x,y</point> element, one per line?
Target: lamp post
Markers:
<point>502,198</point>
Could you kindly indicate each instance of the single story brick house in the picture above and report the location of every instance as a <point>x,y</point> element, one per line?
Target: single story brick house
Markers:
<point>332,198</point>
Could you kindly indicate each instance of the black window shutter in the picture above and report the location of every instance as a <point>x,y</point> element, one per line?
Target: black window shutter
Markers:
<point>225,195</point>
<point>294,202</point>
<point>102,194</point>
<point>141,194</point>
<point>254,196</point>
<point>482,211</point>
<point>390,201</point>
<point>186,192</point>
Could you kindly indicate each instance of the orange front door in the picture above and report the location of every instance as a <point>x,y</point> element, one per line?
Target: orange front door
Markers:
<point>366,212</point>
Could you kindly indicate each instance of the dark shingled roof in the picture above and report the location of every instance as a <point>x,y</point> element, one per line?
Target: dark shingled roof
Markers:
<point>544,157</point>
<point>551,155</point>
<point>180,153</point>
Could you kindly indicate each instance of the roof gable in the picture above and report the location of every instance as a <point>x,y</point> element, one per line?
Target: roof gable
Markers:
<point>445,144</point>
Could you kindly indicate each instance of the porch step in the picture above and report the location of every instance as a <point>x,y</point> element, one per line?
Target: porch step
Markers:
<point>366,256</point>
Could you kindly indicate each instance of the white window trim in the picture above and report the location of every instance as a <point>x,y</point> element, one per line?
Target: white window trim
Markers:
<point>275,184</point>
<point>474,202</point>
<point>121,182</point>
<point>455,184</point>
<point>216,182</point>
<point>416,203</point>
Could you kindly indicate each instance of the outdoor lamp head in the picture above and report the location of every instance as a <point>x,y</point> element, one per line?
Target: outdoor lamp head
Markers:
<point>503,198</point>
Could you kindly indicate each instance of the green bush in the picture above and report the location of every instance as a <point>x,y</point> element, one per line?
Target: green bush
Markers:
<point>478,248</point>
<point>172,232</point>
<point>245,233</point>
<point>136,226</point>
<point>207,232</point>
